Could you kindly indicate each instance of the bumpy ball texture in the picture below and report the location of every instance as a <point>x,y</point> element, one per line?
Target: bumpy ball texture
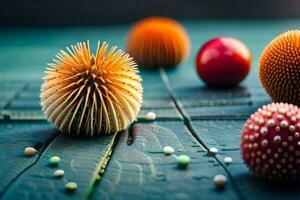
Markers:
<point>279,68</point>
<point>87,94</point>
<point>271,141</point>
<point>158,42</point>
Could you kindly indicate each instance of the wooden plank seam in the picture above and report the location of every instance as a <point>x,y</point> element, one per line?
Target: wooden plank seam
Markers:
<point>187,123</point>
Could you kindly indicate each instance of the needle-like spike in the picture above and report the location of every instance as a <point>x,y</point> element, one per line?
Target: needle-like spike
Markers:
<point>158,42</point>
<point>279,68</point>
<point>82,92</point>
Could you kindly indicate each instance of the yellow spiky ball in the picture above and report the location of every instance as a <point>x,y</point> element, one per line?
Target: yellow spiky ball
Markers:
<point>91,94</point>
<point>279,68</point>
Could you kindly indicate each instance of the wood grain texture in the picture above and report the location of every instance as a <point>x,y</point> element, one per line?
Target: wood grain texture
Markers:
<point>216,117</point>
<point>24,102</point>
<point>80,159</point>
<point>225,135</point>
<point>14,139</point>
<point>142,171</point>
<point>222,134</point>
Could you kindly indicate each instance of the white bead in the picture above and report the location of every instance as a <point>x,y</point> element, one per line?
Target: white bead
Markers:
<point>227,160</point>
<point>151,116</point>
<point>213,150</point>
<point>59,173</point>
<point>168,150</point>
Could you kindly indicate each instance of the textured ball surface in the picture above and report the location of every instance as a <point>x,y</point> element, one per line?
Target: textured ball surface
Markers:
<point>279,68</point>
<point>223,61</point>
<point>270,142</point>
<point>91,94</point>
<point>158,42</point>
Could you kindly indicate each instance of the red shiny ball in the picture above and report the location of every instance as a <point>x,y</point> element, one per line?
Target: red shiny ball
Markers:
<point>223,61</point>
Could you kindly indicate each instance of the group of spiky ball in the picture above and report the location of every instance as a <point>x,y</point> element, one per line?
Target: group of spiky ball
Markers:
<point>270,141</point>
<point>93,94</point>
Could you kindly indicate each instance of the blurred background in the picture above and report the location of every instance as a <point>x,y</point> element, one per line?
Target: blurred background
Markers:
<point>32,31</point>
<point>92,12</point>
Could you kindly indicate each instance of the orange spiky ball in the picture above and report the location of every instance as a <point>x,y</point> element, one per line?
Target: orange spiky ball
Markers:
<point>158,42</point>
<point>87,94</point>
<point>279,68</point>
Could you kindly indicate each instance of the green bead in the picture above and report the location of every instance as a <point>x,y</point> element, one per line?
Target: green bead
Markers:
<point>183,161</point>
<point>54,160</point>
<point>71,187</point>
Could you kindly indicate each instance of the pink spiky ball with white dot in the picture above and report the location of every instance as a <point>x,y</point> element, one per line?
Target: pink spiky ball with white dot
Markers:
<point>270,141</point>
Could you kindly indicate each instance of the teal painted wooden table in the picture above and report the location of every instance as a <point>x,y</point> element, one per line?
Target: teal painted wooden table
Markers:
<point>131,165</point>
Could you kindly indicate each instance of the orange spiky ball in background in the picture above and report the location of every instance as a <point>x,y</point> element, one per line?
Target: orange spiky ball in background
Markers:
<point>86,94</point>
<point>158,42</point>
<point>279,68</point>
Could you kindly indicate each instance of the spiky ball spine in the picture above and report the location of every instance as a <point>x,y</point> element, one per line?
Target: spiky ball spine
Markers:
<point>279,68</point>
<point>270,141</point>
<point>87,94</point>
<point>158,42</point>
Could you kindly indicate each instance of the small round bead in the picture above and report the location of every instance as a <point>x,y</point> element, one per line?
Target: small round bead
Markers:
<point>183,161</point>
<point>151,116</point>
<point>277,139</point>
<point>29,151</point>
<point>227,160</point>
<point>168,150</point>
<point>220,181</point>
<point>264,130</point>
<point>98,177</point>
<point>54,160</point>
<point>264,143</point>
<point>213,150</point>
<point>59,173</point>
<point>271,123</point>
<point>71,187</point>
<point>284,124</point>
